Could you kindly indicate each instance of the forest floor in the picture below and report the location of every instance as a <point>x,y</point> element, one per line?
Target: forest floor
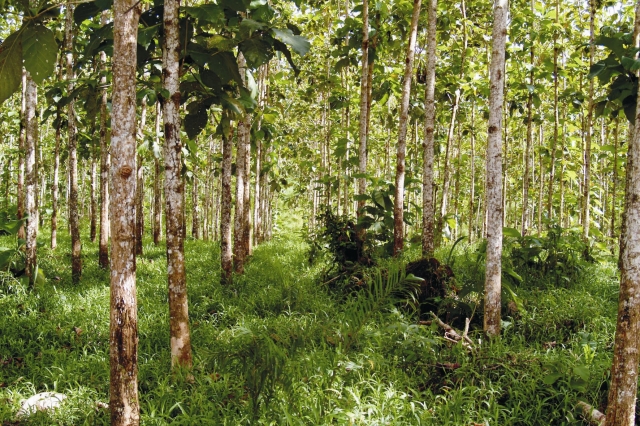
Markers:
<point>279,347</point>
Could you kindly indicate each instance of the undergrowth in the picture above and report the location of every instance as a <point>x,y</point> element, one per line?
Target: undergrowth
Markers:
<point>279,348</point>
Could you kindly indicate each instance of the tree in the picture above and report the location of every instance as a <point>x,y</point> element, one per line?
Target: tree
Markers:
<point>494,171</point>
<point>174,190</point>
<point>398,206</point>
<point>364,103</point>
<point>31,172</point>
<point>428,207</point>
<point>226,253</point>
<point>103,243</point>
<point>123,335</point>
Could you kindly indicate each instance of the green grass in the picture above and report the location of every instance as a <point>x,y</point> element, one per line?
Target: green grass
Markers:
<point>273,348</point>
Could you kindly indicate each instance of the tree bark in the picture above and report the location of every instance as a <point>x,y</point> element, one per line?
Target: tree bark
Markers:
<point>123,336</point>
<point>398,205</point>
<point>93,205</point>
<point>103,245</point>
<point>526,179</point>
<point>239,246</point>
<point>195,208</point>
<point>621,409</point>
<point>21,160</point>
<point>140,181</point>
<point>74,219</point>
<point>614,190</point>
<point>226,251</point>
<point>556,117</point>
<point>494,172</point>
<point>157,194</point>
<point>174,191</point>
<point>586,189</point>
<point>31,172</point>
<point>55,190</point>
<point>472,189</point>
<point>364,96</point>
<point>428,207</point>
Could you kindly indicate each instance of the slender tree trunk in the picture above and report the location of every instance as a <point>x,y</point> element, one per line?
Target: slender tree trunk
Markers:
<point>428,207</point>
<point>31,172</point>
<point>364,96</point>
<point>140,181</point>
<point>526,180</point>
<point>124,405</point>
<point>540,180</point>
<point>614,190</point>
<point>21,160</point>
<point>238,228</point>
<point>174,191</point>
<point>398,206</point>
<point>93,223</point>
<point>494,172</point>
<point>55,187</point>
<point>586,190</point>
<point>103,248</point>
<point>157,194</point>
<point>472,189</point>
<point>74,220</point>
<point>226,251</point>
<point>621,409</point>
<point>246,193</point>
<point>556,118</point>
<point>195,213</point>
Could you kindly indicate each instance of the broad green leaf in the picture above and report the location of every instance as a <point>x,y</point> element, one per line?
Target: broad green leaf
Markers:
<point>195,122</point>
<point>211,79</point>
<point>550,379</point>
<point>235,5</point>
<point>256,52</point>
<point>581,371</point>
<point>511,232</point>
<point>6,254</point>
<point>211,13</point>
<point>225,66</point>
<point>299,44</point>
<point>10,65</point>
<point>40,51</point>
<point>596,69</point>
<point>630,64</point>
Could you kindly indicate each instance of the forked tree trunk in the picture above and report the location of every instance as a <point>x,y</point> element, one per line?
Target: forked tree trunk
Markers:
<point>31,172</point>
<point>364,95</point>
<point>174,191</point>
<point>398,205</point>
<point>226,250</point>
<point>74,219</point>
<point>123,335</point>
<point>494,172</point>
<point>103,245</point>
<point>621,409</point>
<point>428,207</point>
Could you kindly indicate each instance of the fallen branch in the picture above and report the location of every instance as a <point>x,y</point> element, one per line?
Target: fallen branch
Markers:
<point>451,334</point>
<point>590,414</point>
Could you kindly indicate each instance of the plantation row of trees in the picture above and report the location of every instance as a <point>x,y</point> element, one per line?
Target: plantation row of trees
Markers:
<point>263,95</point>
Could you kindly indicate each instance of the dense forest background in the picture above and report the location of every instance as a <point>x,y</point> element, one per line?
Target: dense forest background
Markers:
<point>321,176</point>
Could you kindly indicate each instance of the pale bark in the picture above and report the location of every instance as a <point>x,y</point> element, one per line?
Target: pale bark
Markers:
<point>93,205</point>
<point>195,207</point>
<point>174,191</point>
<point>614,190</point>
<point>556,118</point>
<point>398,206</point>
<point>140,181</point>
<point>123,336</point>
<point>246,214</point>
<point>226,250</point>
<point>364,96</point>
<point>31,174</point>
<point>21,160</point>
<point>428,207</point>
<point>74,219</point>
<point>157,194</point>
<point>239,229</point>
<point>472,189</point>
<point>586,188</point>
<point>621,408</point>
<point>55,190</point>
<point>103,245</point>
<point>526,179</point>
<point>494,172</point>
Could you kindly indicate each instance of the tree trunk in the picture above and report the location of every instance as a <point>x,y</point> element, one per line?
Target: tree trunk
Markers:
<point>246,204</point>
<point>472,189</point>
<point>494,172</point>
<point>526,179</point>
<point>140,181</point>
<point>31,172</point>
<point>556,118</point>
<point>157,194</point>
<point>93,220</point>
<point>614,190</point>
<point>55,190</point>
<point>124,405</point>
<point>195,213</point>
<point>238,226</point>
<point>103,249</point>
<point>398,206</point>
<point>364,95</point>
<point>21,149</point>
<point>428,207</point>
<point>174,191</point>
<point>226,251</point>
<point>586,189</point>
<point>621,409</point>
<point>74,219</point>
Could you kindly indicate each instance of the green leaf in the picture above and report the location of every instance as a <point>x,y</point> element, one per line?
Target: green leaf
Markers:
<point>6,254</point>
<point>211,13</point>
<point>40,51</point>
<point>222,63</point>
<point>256,52</point>
<point>550,379</point>
<point>596,69</point>
<point>10,65</point>
<point>630,64</point>
<point>511,232</point>
<point>581,371</point>
<point>299,44</point>
<point>195,122</point>
<point>235,5</point>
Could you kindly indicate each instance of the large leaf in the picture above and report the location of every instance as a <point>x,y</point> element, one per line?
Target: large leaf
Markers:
<point>88,10</point>
<point>195,122</point>
<point>299,44</point>
<point>235,5</point>
<point>211,13</point>
<point>39,51</point>
<point>10,66</point>
<point>224,64</point>
<point>256,51</point>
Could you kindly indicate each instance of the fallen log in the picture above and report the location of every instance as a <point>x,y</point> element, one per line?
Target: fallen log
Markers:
<point>590,414</point>
<point>451,334</point>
